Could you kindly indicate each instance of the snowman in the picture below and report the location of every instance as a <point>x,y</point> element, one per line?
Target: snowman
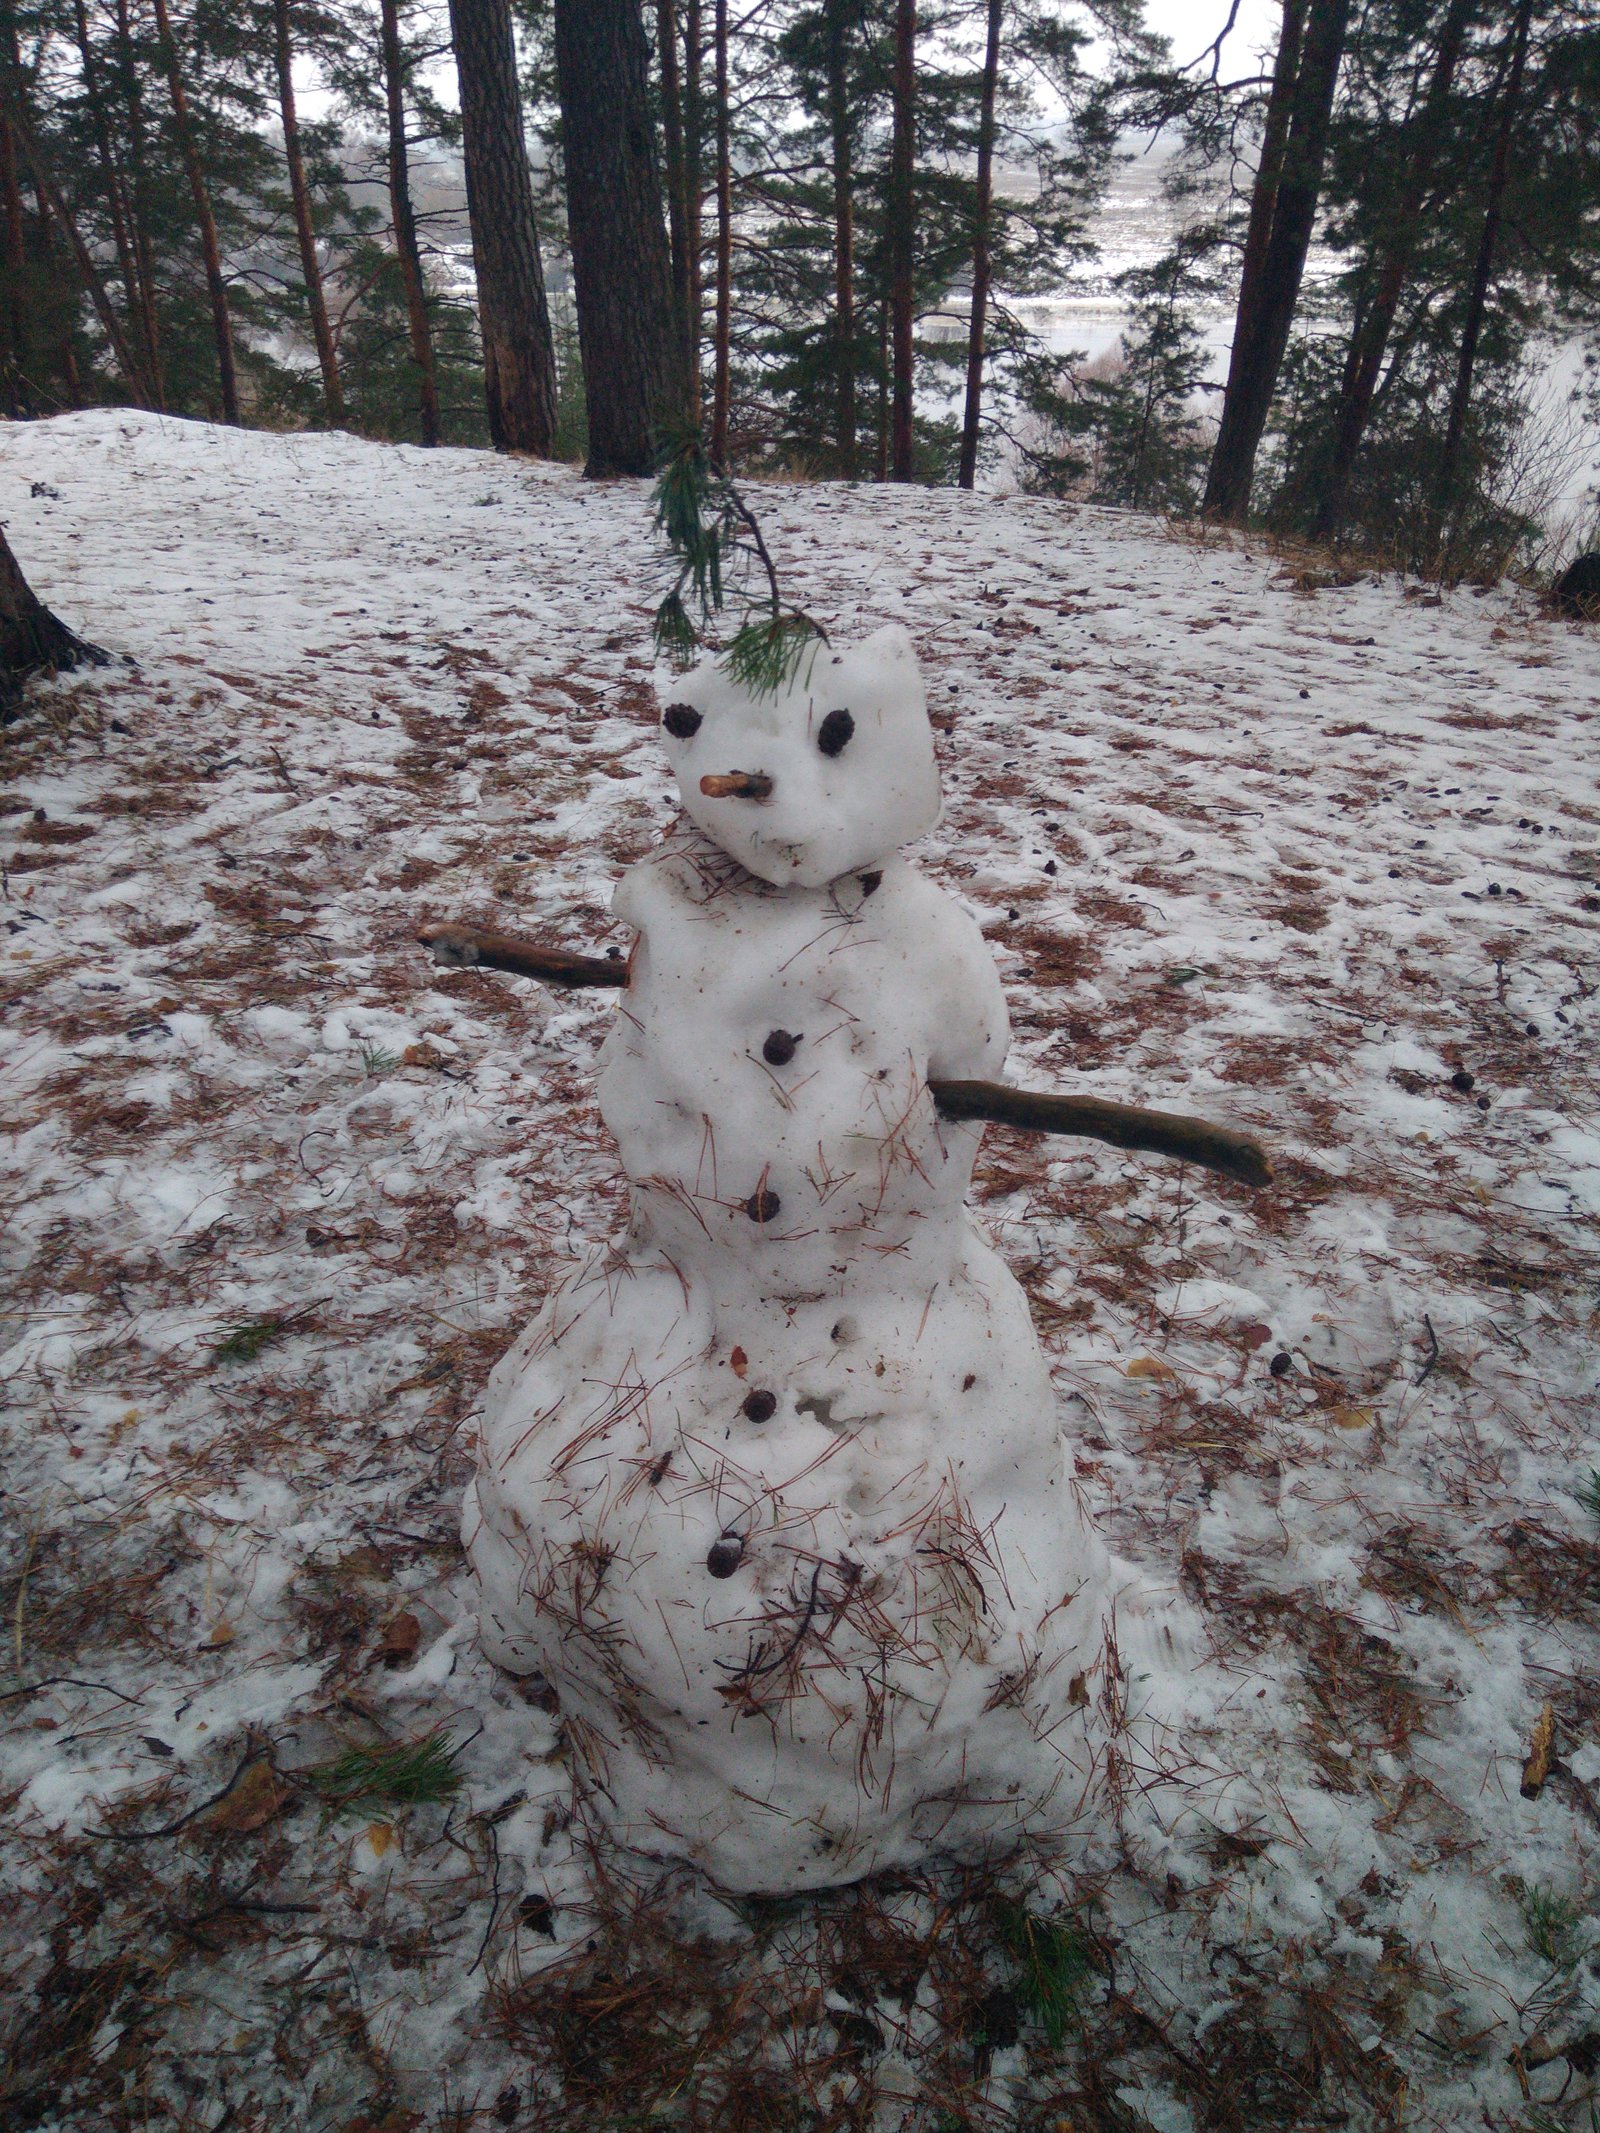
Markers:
<point>773,1490</point>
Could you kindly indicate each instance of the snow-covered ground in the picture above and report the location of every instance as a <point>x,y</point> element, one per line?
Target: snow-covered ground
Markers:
<point>1300,856</point>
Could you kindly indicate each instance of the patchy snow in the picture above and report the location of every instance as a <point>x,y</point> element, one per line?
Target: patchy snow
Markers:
<point>1297,855</point>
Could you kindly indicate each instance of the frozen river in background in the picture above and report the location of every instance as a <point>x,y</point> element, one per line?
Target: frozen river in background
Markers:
<point>1134,226</point>
<point>1137,224</point>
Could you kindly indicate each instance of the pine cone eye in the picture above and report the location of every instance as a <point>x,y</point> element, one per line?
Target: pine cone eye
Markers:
<point>682,721</point>
<point>833,735</point>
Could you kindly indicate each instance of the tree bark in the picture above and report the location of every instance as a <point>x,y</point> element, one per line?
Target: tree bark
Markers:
<point>1269,168</point>
<point>723,327</point>
<point>844,271</point>
<point>1371,340</point>
<point>693,149</point>
<point>110,171</point>
<point>1483,268</point>
<point>305,230</point>
<point>150,329</point>
<point>1261,327</point>
<point>519,360</point>
<point>211,249</point>
<point>52,207</point>
<point>16,255</point>
<point>32,640</point>
<point>983,210</point>
<point>404,220</point>
<point>621,269</point>
<point>677,171</point>
<point>902,236</point>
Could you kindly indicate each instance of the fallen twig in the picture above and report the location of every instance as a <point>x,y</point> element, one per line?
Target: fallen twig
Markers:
<point>251,1755</point>
<point>1425,1372</point>
<point>69,1681</point>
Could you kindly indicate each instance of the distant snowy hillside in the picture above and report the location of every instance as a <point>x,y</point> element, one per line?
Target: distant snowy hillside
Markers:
<point>1320,860</point>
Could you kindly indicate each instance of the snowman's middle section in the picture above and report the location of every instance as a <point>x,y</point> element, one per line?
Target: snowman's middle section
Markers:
<point>766,1079</point>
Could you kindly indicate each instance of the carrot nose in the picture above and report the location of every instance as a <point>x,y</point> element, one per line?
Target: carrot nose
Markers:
<point>737,785</point>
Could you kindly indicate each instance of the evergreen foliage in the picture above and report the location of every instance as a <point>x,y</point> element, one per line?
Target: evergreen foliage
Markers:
<point>713,534</point>
<point>396,1774</point>
<point>1129,433</point>
<point>1459,207</point>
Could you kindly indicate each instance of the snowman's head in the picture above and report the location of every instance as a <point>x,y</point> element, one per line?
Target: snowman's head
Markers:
<point>822,778</point>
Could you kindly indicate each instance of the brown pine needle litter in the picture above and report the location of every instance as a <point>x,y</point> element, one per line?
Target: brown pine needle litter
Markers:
<point>278,1194</point>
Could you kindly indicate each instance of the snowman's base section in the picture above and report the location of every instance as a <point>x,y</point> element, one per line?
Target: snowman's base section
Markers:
<point>758,1815</point>
<point>862,1630</point>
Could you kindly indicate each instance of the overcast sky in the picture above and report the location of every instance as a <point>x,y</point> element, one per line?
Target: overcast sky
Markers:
<point>1191,24</point>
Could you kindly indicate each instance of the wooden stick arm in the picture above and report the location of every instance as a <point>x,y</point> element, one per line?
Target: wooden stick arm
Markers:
<point>459,947</point>
<point>1192,1140</point>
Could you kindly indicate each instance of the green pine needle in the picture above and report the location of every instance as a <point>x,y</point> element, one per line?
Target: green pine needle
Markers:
<point>711,532</point>
<point>766,655</point>
<point>1552,1922</point>
<point>1055,1962</point>
<point>408,1773</point>
<point>676,637</point>
<point>245,1343</point>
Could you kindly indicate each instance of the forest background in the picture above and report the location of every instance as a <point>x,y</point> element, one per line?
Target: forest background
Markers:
<point>831,233</point>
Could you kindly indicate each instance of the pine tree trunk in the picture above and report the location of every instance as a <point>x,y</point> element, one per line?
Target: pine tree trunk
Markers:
<point>621,269</point>
<point>150,329</point>
<point>983,214</point>
<point>19,385</point>
<point>844,269</point>
<point>16,254</point>
<point>677,204</point>
<point>1261,327</point>
<point>305,231</point>
<point>693,147</point>
<point>881,456</point>
<point>217,288</point>
<point>66,350</point>
<point>1269,167</point>
<point>32,640</point>
<point>1483,268</point>
<point>110,172</point>
<point>404,221</point>
<point>1371,340</point>
<point>722,330</point>
<point>52,207</point>
<point>519,359</point>
<point>902,236</point>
